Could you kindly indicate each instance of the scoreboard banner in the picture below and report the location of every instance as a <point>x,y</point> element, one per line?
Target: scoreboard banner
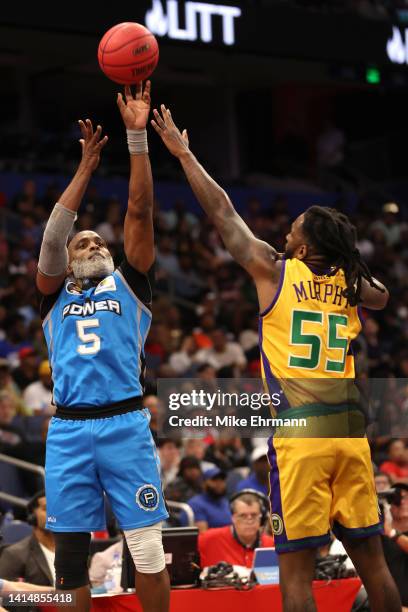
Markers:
<point>256,27</point>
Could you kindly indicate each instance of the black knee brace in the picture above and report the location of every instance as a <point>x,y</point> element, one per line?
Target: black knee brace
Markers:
<point>71,560</point>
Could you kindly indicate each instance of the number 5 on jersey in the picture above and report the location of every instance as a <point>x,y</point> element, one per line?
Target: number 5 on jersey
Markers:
<point>92,342</point>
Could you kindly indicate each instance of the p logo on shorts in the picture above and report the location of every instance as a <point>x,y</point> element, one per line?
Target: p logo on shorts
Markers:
<point>147,497</point>
<point>277,524</point>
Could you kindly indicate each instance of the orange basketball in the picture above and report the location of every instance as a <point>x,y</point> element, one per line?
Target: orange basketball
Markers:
<point>128,53</point>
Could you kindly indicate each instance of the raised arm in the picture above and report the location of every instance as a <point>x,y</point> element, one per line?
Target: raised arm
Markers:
<point>256,256</point>
<point>53,260</point>
<point>139,237</point>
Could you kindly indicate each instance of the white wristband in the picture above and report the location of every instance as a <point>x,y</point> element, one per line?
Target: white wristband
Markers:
<point>137,141</point>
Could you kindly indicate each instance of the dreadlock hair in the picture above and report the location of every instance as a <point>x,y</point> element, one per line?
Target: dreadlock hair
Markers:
<point>334,237</point>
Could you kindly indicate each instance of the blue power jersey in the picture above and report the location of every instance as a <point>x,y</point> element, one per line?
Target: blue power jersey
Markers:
<point>95,339</point>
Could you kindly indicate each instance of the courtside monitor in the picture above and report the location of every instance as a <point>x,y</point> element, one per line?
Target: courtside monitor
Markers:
<point>265,566</point>
<point>181,554</point>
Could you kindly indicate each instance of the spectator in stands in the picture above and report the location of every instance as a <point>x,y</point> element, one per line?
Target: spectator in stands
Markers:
<point>38,396</point>
<point>16,264</point>
<point>13,441</point>
<point>32,559</point>
<point>16,338</point>
<point>28,194</point>
<point>382,482</point>
<point>396,466</point>
<point>202,333</point>
<point>236,543</point>
<point>8,385</point>
<point>27,372</point>
<point>207,374</point>
<point>187,284</point>
<point>224,355</point>
<point>169,453</point>
<point>188,481</point>
<point>249,338</point>
<point>111,229</point>
<point>258,479</point>
<point>178,214</point>
<point>151,402</point>
<point>196,447</point>
<point>211,508</point>
<point>167,261</point>
<point>227,452</point>
<point>181,361</point>
<point>374,350</point>
<point>395,542</point>
<point>158,344</point>
<point>389,223</point>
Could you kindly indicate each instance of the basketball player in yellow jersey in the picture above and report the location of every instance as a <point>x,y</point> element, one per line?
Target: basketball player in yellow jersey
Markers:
<point>308,301</point>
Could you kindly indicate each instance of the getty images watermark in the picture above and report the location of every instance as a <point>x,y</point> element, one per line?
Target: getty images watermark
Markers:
<point>222,400</point>
<point>196,407</point>
<point>250,408</point>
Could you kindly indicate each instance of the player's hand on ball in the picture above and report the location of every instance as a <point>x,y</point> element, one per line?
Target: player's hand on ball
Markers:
<point>91,143</point>
<point>135,112</point>
<point>176,141</point>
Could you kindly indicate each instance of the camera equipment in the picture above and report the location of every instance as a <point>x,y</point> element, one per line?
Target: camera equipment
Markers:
<point>223,575</point>
<point>392,496</point>
<point>332,567</point>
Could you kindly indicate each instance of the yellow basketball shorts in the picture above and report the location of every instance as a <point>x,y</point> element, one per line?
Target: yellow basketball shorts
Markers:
<point>318,484</point>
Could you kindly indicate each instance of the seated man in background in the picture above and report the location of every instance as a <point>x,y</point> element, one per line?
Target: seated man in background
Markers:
<point>27,372</point>
<point>258,479</point>
<point>382,481</point>
<point>32,559</point>
<point>211,508</point>
<point>236,543</point>
<point>188,482</point>
<point>396,465</point>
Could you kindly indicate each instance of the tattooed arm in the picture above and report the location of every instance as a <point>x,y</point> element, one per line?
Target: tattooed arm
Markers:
<point>256,256</point>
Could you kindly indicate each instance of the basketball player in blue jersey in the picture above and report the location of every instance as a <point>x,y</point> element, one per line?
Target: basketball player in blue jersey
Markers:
<point>96,320</point>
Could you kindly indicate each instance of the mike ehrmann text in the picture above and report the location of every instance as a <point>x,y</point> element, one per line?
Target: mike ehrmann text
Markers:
<point>232,421</point>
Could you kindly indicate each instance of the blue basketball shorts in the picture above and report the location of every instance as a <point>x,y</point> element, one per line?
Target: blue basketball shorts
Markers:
<point>115,455</point>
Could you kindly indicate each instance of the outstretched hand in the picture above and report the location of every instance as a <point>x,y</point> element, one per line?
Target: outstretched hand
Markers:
<point>91,144</point>
<point>176,141</point>
<point>135,112</point>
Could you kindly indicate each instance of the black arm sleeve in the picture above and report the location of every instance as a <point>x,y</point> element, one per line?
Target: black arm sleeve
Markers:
<point>141,284</point>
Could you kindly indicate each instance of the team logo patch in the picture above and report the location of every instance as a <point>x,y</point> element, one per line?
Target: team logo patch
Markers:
<point>107,284</point>
<point>277,524</point>
<point>147,497</point>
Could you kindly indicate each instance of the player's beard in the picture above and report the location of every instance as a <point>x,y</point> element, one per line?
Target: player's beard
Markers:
<point>99,267</point>
<point>289,253</point>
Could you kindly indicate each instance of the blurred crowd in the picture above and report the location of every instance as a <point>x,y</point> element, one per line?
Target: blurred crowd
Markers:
<point>205,325</point>
<point>205,322</point>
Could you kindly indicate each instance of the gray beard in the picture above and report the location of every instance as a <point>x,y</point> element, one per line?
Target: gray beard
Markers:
<point>92,268</point>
